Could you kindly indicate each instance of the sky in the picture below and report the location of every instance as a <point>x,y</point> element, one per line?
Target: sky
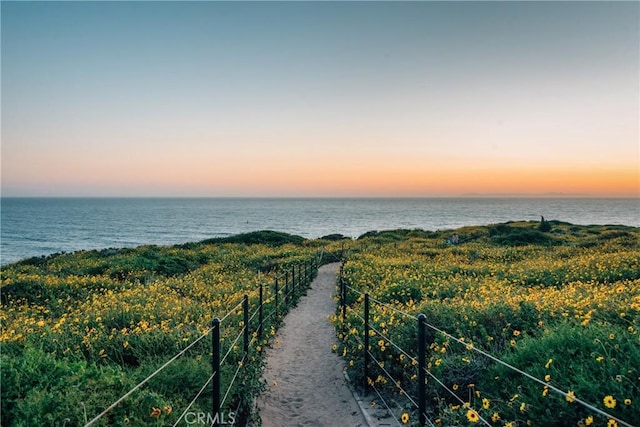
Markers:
<point>320,99</point>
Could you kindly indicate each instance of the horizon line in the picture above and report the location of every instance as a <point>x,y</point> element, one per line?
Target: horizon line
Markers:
<point>550,195</point>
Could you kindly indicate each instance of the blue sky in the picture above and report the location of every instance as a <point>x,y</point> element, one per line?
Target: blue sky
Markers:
<point>320,98</point>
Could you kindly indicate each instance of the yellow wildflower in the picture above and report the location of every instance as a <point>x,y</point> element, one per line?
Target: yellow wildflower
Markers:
<point>472,416</point>
<point>571,396</point>
<point>609,402</point>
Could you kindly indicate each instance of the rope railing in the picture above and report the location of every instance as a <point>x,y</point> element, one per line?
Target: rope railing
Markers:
<point>397,384</point>
<point>230,312</point>
<point>194,399</point>
<point>402,351</point>
<point>305,273</point>
<point>371,383</point>
<point>366,298</point>
<point>143,382</point>
<point>393,344</point>
<point>272,313</point>
<point>255,313</point>
<point>414,362</point>
<point>233,380</point>
<point>386,405</point>
<point>303,280</point>
<point>232,346</point>
<point>470,347</point>
<point>390,307</point>
<point>403,392</point>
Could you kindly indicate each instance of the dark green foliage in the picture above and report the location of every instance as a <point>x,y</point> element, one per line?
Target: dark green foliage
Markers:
<point>265,237</point>
<point>544,226</point>
<point>583,359</point>
<point>334,237</point>
<point>504,234</point>
<point>500,229</point>
<point>36,261</point>
<point>40,389</point>
<point>525,237</point>
<point>398,235</point>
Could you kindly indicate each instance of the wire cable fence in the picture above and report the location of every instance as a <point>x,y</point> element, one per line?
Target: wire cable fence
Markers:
<point>279,296</point>
<point>184,413</point>
<point>396,373</point>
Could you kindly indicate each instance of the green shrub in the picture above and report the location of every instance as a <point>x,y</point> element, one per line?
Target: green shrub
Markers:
<point>335,237</point>
<point>40,389</point>
<point>544,226</point>
<point>520,237</point>
<point>265,237</point>
<point>593,362</point>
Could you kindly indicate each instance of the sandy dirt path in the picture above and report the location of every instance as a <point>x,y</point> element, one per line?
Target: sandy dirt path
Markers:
<point>305,383</point>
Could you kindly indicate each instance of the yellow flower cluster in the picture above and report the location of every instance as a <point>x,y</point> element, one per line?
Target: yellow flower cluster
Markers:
<point>499,298</point>
<point>116,310</point>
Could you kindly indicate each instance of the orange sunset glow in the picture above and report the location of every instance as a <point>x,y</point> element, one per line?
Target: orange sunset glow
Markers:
<point>321,99</point>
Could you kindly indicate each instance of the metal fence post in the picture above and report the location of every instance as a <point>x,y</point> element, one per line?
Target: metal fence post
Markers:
<point>260,314</point>
<point>245,311</point>
<point>276,292</point>
<point>422,404</point>
<point>215,365</point>
<point>286,276</point>
<point>293,275</point>
<point>286,293</point>
<point>305,274</point>
<point>366,344</point>
<point>343,298</point>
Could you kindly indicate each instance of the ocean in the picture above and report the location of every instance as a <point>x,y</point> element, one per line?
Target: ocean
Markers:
<point>42,226</point>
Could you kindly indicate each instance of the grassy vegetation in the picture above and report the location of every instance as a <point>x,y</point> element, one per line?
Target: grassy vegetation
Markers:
<point>569,295</point>
<point>80,330</point>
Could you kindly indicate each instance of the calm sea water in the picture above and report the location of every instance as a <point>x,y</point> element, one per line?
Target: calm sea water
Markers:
<point>41,226</point>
